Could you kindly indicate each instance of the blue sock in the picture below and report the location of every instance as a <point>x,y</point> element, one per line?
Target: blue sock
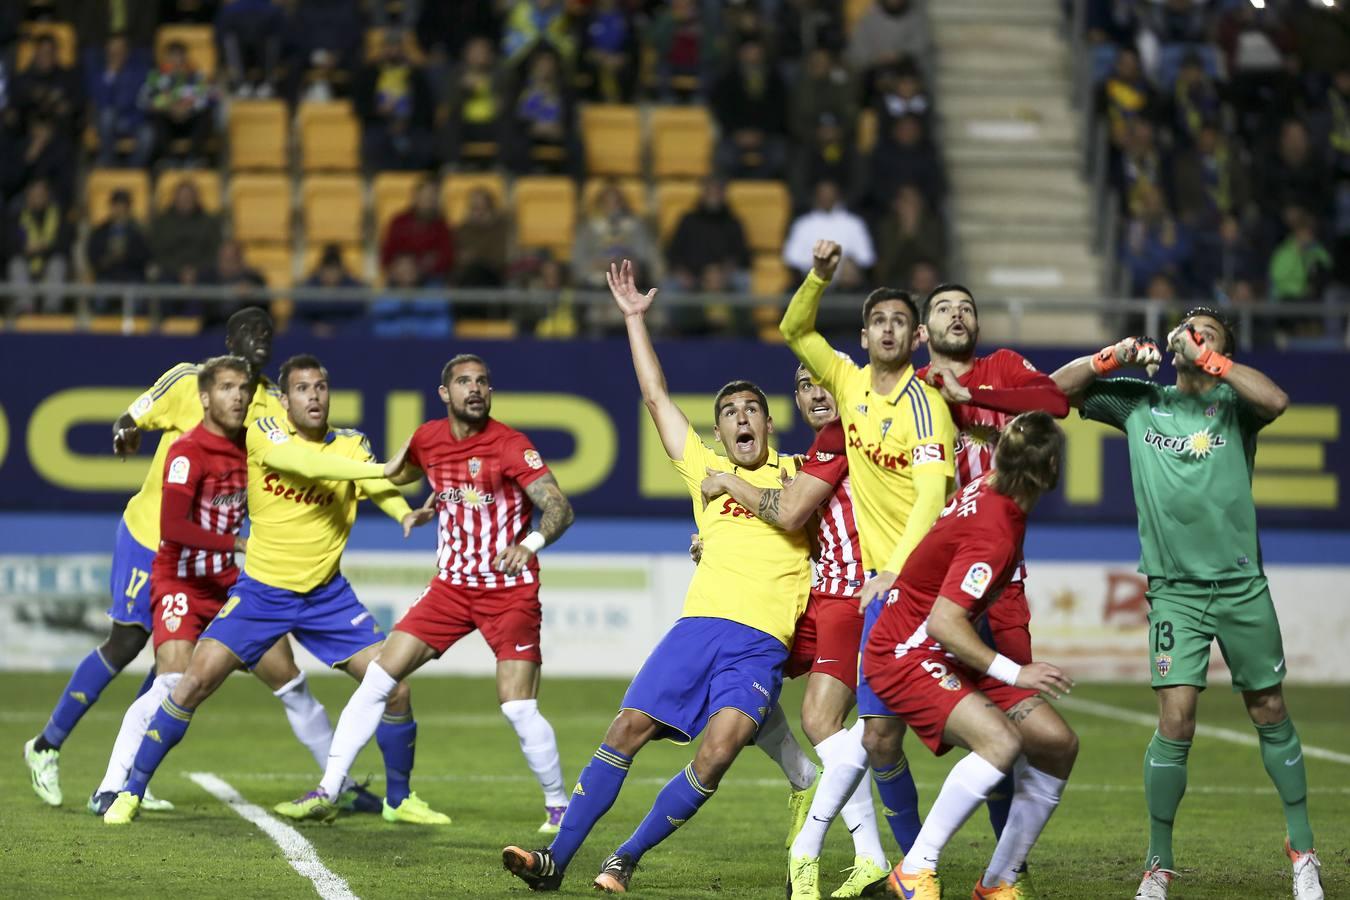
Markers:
<point>597,787</point>
<point>676,804</point>
<point>86,683</point>
<point>149,680</point>
<point>899,802</point>
<point>166,729</point>
<point>999,802</point>
<point>397,739</point>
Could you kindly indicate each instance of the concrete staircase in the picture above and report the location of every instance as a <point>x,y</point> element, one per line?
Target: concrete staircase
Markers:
<point>1020,209</point>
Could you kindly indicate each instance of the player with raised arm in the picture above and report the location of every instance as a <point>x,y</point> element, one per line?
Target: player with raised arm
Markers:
<point>173,407</point>
<point>1192,447</point>
<point>487,479</point>
<point>898,436</point>
<point>302,494</point>
<point>720,666</point>
<point>203,506</point>
<point>927,663</point>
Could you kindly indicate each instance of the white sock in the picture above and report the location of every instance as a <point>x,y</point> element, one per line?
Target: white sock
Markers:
<point>860,816</point>
<point>540,747</point>
<point>1035,797</point>
<point>844,761</point>
<point>308,718</point>
<point>129,736</point>
<point>965,790</point>
<point>356,726</point>
<point>776,739</point>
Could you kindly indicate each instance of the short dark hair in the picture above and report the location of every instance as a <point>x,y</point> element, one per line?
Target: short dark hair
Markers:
<point>1225,324</point>
<point>295,364</point>
<point>243,317</point>
<point>206,375</point>
<point>944,288</point>
<point>882,294</point>
<point>460,359</point>
<point>736,387</point>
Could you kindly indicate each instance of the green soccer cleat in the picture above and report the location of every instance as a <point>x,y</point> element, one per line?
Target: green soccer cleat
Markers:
<point>414,811</point>
<point>151,803</point>
<point>315,805</point>
<point>803,880</point>
<point>45,768</point>
<point>799,804</point>
<point>553,821</point>
<point>123,810</point>
<point>865,879</point>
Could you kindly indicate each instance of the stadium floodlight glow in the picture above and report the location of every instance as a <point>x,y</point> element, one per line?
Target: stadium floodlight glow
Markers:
<point>1259,4</point>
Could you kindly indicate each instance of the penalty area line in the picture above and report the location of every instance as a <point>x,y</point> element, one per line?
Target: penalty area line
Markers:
<point>299,852</point>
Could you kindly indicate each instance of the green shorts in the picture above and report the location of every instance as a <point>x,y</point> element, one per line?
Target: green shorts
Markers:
<point>1185,616</point>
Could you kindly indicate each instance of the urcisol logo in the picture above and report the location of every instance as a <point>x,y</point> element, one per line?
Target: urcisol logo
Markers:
<point>272,484</point>
<point>873,452</point>
<point>1197,446</point>
<point>467,495</point>
<point>235,498</point>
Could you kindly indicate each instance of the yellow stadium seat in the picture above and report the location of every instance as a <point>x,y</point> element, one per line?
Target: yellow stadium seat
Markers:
<point>390,194</point>
<point>486,329</point>
<point>768,275</point>
<point>353,259</point>
<point>206,180</point>
<point>867,130</point>
<point>101,184</point>
<point>634,191</point>
<point>119,325</point>
<point>546,214</point>
<point>673,200</point>
<point>681,142</point>
<point>34,323</point>
<point>261,208</point>
<point>455,191</point>
<point>276,263</point>
<point>257,135</point>
<point>62,32</point>
<point>333,209</point>
<point>375,38</point>
<point>613,136</point>
<point>200,43</point>
<point>180,326</point>
<point>763,208</point>
<point>330,137</point>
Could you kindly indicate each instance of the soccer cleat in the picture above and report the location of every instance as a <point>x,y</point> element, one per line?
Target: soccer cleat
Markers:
<point>799,804</point>
<point>356,798</point>
<point>923,885</point>
<point>123,809</point>
<point>534,867</point>
<point>553,819</point>
<point>45,768</point>
<point>615,874</point>
<point>1155,884</point>
<point>803,878</point>
<point>1001,891</point>
<point>1307,873</point>
<point>151,803</point>
<point>865,879</point>
<point>99,801</point>
<point>314,805</point>
<point>414,811</point>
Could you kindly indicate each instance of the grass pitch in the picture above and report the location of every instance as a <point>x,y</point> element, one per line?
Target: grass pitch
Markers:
<point>1229,830</point>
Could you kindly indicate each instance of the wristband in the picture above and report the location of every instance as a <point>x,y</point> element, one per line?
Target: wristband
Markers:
<point>1004,669</point>
<point>1105,361</point>
<point>534,542</point>
<point>1212,363</point>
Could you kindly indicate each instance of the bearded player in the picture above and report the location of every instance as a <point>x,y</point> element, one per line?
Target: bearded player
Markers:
<point>487,478</point>
<point>1192,448</point>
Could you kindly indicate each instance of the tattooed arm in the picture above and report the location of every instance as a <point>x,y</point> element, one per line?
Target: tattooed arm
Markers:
<point>555,515</point>
<point>788,507</point>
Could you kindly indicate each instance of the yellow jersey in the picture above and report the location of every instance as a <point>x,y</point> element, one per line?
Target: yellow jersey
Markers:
<point>751,572</point>
<point>173,406</point>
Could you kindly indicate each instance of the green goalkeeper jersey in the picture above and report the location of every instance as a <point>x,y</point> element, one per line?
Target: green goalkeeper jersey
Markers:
<point>1191,459</point>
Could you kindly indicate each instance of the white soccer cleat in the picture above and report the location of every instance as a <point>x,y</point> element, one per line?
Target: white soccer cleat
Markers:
<point>44,767</point>
<point>1307,873</point>
<point>1155,884</point>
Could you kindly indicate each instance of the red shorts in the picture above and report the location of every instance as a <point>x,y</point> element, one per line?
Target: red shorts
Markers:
<point>827,639</point>
<point>1010,624</point>
<point>183,607</point>
<point>508,617</point>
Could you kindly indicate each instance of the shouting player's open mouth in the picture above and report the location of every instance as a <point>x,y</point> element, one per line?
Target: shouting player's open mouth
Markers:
<point>745,443</point>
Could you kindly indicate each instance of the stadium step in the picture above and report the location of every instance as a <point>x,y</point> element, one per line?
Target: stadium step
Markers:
<point>1029,13</point>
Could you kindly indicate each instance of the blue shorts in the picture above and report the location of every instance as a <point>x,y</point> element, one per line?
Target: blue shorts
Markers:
<point>129,582</point>
<point>869,704</point>
<point>704,665</point>
<point>328,621</point>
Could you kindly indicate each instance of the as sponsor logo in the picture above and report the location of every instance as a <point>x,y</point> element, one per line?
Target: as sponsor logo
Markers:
<point>929,453</point>
<point>1198,445</point>
<point>310,496</point>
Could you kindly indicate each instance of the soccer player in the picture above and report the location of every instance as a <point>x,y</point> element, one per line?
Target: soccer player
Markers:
<point>720,666</point>
<point>173,406</point>
<point>205,489</point>
<point>487,478</point>
<point>1192,447</point>
<point>302,496</point>
<point>927,663</point>
<point>899,440</point>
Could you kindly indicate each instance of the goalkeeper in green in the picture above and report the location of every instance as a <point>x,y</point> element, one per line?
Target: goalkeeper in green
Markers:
<point>1192,447</point>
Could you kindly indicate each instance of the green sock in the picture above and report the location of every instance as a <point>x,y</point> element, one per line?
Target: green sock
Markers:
<point>1164,786</point>
<point>1282,752</point>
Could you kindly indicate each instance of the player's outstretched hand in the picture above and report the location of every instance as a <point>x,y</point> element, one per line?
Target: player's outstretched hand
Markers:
<point>1047,679</point>
<point>696,547</point>
<point>1139,351</point>
<point>878,586</point>
<point>396,462</point>
<point>825,256</point>
<point>712,487</point>
<point>512,560</point>
<point>1186,342</point>
<point>948,383</point>
<point>420,516</point>
<point>621,284</point>
<point>126,441</point>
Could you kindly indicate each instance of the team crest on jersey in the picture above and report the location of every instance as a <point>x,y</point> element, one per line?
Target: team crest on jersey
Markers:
<point>475,466</point>
<point>533,459</point>
<point>951,682</point>
<point>822,456</point>
<point>178,470</point>
<point>142,405</point>
<point>1164,664</point>
<point>173,622</point>
<point>977,579</point>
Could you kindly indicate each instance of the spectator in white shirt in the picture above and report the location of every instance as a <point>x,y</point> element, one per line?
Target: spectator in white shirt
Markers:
<point>830,219</point>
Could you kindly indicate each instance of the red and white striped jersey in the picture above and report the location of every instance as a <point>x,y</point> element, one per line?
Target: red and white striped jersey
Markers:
<point>839,568</point>
<point>480,498</point>
<point>205,498</point>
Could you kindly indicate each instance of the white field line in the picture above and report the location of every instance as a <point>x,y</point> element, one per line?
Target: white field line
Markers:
<point>1107,711</point>
<point>299,852</point>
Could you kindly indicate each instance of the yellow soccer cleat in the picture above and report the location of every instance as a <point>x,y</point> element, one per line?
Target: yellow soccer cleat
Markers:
<point>923,885</point>
<point>123,810</point>
<point>553,819</point>
<point>865,878</point>
<point>799,804</point>
<point>803,879</point>
<point>414,811</point>
<point>314,805</point>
